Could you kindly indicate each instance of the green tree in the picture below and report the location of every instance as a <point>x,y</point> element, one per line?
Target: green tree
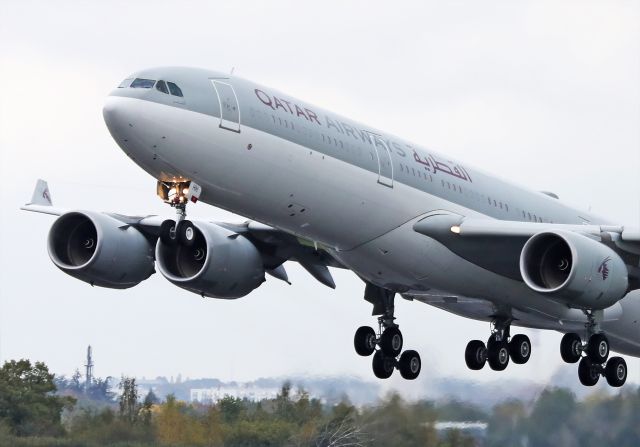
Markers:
<point>27,404</point>
<point>129,399</point>
<point>551,422</point>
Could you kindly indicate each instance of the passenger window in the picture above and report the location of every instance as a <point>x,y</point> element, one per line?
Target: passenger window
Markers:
<point>162,86</point>
<point>142,83</point>
<point>174,89</point>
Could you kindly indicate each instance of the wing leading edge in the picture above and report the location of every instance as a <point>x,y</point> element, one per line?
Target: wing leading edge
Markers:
<point>496,244</point>
<point>275,246</point>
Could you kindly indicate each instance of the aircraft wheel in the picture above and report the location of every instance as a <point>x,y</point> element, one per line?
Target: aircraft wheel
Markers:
<point>475,355</point>
<point>588,372</point>
<point>616,371</point>
<point>410,364</point>
<point>186,233</point>
<point>570,347</point>
<point>391,341</point>
<point>383,365</point>
<point>498,354</point>
<point>365,341</point>
<point>168,235</point>
<point>520,349</point>
<point>598,348</point>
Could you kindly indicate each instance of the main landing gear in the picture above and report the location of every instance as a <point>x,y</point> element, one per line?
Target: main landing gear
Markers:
<point>593,355</point>
<point>499,349</point>
<point>386,344</point>
<point>177,194</point>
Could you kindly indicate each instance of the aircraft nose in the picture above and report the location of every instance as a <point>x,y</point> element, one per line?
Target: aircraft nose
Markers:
<point>112,112</point>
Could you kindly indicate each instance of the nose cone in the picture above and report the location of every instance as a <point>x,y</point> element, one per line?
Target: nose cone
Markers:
<point>119,116</point>
<point>113,112</point>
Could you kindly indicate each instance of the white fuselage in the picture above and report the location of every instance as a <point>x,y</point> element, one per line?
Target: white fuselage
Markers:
<point>366,225</point>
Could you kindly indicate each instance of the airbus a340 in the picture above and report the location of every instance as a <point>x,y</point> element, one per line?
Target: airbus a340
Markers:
<point>324,191</point>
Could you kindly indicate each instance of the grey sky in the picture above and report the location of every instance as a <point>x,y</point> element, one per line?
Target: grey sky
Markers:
<point>544,93</point>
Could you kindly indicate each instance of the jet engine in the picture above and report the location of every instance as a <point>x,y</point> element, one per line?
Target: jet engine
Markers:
<point>220,263</point>
<point>574,269</point>
<point>100,250</point>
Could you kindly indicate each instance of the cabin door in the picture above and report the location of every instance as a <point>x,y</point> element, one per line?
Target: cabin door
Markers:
<point>229,107</point>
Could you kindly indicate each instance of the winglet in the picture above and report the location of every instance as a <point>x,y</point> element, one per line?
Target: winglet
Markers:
<point>41,201</point>
<point>41,195</point>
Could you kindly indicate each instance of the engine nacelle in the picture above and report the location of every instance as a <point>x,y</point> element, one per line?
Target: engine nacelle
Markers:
<point>574,269</point>
<point>100,250</point>
<point>219,264</point>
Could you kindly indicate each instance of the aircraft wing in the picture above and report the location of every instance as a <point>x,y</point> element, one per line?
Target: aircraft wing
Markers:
<point>275,246</point>
<point>496,244</point>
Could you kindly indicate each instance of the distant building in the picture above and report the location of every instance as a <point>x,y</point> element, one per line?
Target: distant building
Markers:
<point>240,391</point>
<point>474,429</point>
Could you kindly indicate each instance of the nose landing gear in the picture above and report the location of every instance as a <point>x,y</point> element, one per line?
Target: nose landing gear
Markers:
<point>177,195</point>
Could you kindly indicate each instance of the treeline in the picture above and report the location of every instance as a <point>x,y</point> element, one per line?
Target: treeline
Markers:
<point>33,414</point>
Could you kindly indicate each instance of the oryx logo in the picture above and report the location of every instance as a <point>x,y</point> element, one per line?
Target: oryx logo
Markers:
<point>604,268</point>
<point>45,195</point>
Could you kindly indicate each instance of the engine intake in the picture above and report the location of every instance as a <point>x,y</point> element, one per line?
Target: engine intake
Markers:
<point>574,269</point>
<point>100,250</point>
<point>219,264</point>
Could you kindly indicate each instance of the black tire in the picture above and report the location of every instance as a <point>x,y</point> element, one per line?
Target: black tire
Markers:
<point>168,235</point>
<point>588,372</point>
<point>520,349</point>
<point>498,355</point>
<point>391,342</point>
<point>410,364</point>
<point>598,348</point>
<point>365,341</point>
<point>616,371</point>
<point>570,348</point>
<point>475,355</point>
<point>186,233</point>
<point>382,365</point>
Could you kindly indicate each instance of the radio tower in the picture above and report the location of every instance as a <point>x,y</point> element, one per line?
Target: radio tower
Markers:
<point>89,371</point>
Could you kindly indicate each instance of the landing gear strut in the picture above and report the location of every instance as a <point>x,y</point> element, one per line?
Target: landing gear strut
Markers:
<point>499,349</point>
<point>177,195</point>
<point>593,354</point>
<point>388,339</point>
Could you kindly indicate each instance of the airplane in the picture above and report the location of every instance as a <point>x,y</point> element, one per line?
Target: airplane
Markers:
<point>325,191</point>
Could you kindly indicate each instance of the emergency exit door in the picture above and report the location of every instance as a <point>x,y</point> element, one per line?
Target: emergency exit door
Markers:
<point>385,166</point>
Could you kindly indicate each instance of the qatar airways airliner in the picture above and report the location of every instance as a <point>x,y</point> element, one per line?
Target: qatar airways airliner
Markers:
<point>324,191</point>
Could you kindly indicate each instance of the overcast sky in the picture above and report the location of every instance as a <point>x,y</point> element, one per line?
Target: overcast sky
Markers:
<point>543,93</point>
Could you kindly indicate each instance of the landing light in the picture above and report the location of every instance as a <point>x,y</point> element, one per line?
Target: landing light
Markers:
<point>185,191</point>
<point>455,229</point>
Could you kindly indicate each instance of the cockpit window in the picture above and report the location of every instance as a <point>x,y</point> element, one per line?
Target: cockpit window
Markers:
<point>125,83</point>
<point>174,89</point>
<point>162,86</point>
<point>142,83</point>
